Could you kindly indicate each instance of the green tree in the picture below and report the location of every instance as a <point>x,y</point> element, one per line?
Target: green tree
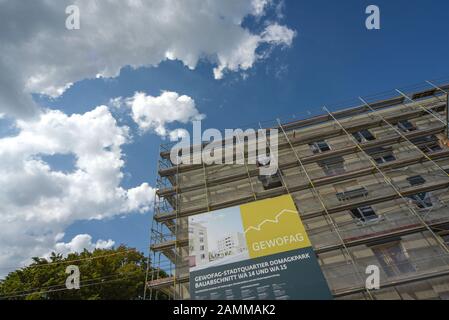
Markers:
<point>117,273</point>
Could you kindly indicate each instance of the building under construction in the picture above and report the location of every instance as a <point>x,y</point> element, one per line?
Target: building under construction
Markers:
<point>370,180</point>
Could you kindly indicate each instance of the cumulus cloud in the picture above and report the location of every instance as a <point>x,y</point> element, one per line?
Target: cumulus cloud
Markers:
<point>154,113</point>
<point>243,56</point>
<point>177,134</point>
<point>39,55</point>
<point>81,242</point>
<point>37,202</point>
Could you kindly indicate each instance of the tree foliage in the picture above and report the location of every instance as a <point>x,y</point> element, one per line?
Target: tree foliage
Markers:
<point>117,273</point>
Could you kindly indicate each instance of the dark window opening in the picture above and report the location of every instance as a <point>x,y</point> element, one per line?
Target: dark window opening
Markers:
<point>422,200</point>
<point>271,182</point>
<point>430,148</point>
<point>416,180</point>
<point>332,166</point>
<point>268,181</point>
<point>364,214</point>
<point>363,136</point>
<point>385,158</point>
<point>319,146</point>
<point>381,154</point>
<point>352,194</point>
<point>406,126</point>
<point>427,144</point>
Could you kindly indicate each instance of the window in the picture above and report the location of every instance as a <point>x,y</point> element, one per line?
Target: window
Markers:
<point>319,146</point>
<point>427,144</point>
<point>406,126</point>
<point>422,200</point>
<point>381,155</point>
<point>364,214</point>
<point>352,194</point>
<point>268,182</point>
<point>201,239</point>
<point>202,248</point>
<point>446,238</point>
<point>430,148</point>
<point>363,136</point>
<point>332,166</point>
<point>384,159</point>
<point>416,180</point>
<point>271,182</point>
<point>393,258</point>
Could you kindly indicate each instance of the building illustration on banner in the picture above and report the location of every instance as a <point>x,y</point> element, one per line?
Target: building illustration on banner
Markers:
<point>198,247</point>
<point>216,238</point>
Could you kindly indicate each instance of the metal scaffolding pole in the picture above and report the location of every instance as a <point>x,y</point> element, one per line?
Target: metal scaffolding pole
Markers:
<point>406,139</point>
<point>206,189</point>
<point>330,219</point>
<point>155,233</point>
<point>447,106</point>
<point>246,165</point>
<point>389,182</point>
<point>424,108</point>
<point>177,203</point>
<point>403,136</point>
<point>149,260</point>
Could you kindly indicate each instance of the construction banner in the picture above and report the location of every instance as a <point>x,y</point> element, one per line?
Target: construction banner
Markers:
<point>256,251</point>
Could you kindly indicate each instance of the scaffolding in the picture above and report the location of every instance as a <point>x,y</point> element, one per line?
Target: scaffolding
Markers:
<point>381,182</point>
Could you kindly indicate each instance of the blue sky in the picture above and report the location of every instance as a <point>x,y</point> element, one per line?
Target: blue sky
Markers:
<point>332,58</point>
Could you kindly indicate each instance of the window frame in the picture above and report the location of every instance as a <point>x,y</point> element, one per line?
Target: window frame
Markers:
<point>362,138</point>
<point>316,149</point>
<point>363,217</point>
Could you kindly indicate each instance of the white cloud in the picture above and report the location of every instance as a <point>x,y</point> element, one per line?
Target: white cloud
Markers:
<point>37,203</point>
<point>177,134</point>
<point>139,197</point>
<point>243,55</point>
<point>41,56</point>
<point>81,242</point>
<point>278,34</point>
<point>154,113</point>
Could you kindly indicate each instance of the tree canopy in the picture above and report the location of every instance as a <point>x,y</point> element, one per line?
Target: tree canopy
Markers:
<point>117,273</point>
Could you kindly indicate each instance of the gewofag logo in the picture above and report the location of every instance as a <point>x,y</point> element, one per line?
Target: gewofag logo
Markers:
<point>273,226</point>
<point>278,241</point>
